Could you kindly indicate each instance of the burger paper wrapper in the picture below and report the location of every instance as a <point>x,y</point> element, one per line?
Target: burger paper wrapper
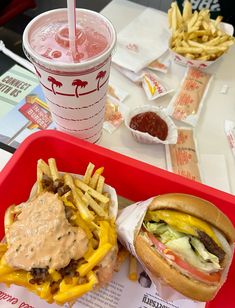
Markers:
<point>113,210</point>
<point>129,222</point>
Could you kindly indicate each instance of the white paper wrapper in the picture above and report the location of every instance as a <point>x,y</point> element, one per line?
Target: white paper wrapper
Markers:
<point>116,93</point>
<point>134,77</point>
<point>115,113</point>
<point>161,64</point>
<point>154,86</point>
<point>129,222</point>
<point>147,138</point>
<point>138,43</point>
<point>192,118</point>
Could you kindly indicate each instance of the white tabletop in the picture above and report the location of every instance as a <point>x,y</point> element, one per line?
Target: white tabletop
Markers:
<point>209,132</point>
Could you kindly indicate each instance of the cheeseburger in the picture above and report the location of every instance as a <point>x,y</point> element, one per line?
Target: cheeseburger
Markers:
<point>187,241</point>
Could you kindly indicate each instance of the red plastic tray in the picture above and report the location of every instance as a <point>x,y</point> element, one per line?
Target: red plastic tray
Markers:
<point>131,178</point>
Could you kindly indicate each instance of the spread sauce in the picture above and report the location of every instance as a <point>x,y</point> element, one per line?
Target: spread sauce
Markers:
<point>42,236</point>
<point>150,122</point>
<point>189,97</point>
<point>183,155</point>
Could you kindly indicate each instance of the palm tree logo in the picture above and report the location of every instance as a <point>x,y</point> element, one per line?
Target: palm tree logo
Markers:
<point>78,83</point>
<point>100,76</point>
<point>54,83</point>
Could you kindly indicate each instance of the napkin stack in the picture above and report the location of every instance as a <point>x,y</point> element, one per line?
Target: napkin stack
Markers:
<point>142,41</point>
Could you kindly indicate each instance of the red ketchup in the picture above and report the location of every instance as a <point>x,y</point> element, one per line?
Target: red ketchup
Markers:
<point>150,122</point>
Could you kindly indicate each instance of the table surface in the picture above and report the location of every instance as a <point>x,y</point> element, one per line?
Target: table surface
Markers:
<point>209,132</point>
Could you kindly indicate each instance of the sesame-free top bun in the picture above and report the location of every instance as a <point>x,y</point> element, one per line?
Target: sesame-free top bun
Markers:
<point>197,207</point>
<point>158,266</point>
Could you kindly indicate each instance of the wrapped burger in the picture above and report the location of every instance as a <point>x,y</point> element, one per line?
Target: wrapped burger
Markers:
<point>182,241</point>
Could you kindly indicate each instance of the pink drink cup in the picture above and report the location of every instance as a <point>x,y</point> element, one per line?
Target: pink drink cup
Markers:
<point>75,92</point>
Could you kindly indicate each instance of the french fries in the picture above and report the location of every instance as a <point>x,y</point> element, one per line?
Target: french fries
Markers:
<point>88,202</point>
<point>196,36</point>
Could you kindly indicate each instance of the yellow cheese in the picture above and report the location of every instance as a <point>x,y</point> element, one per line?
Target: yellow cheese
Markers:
<point>95,258</point>
<point>183,222</point>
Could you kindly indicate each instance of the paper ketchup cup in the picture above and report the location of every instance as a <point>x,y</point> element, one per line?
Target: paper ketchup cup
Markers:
<point>75,91</point>
<point>141,137</point>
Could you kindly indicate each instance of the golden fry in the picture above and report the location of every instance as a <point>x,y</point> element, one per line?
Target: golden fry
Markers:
<point>53,169</point>
<point>132,268</point>
<point>88,173</point>
<point>196,36</point>
<point>187,11</point>
<point>95,194</point>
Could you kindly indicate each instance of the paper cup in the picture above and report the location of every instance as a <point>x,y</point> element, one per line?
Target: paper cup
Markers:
<point>75,92</point>
<point>179,59</point>
<point>147,138</point>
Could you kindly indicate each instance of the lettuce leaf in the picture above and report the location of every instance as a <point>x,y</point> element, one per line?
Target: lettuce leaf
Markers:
<point>183,248</point>
<point>163,231</point>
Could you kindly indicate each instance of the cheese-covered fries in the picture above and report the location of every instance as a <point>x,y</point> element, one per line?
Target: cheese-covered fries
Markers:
<point>195,35</point>
<point>62,242</point>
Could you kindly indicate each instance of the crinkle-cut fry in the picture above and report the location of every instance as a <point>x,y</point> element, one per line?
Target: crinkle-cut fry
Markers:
<point>73,292</point>
<point>94,180</point>
<point>94,259</point>
<point>9,218</point>
<point>88,173</point>
<point>187,10</point>
<point>44,167</point>
<point>100,184</point>
<point>132,268</point>
<point>83,210</point>
<point>53,169</point>
<point>98,196</point>
<point>94,205</point>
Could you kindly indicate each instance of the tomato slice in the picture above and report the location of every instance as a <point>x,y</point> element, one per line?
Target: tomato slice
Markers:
<point>212,277</point>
